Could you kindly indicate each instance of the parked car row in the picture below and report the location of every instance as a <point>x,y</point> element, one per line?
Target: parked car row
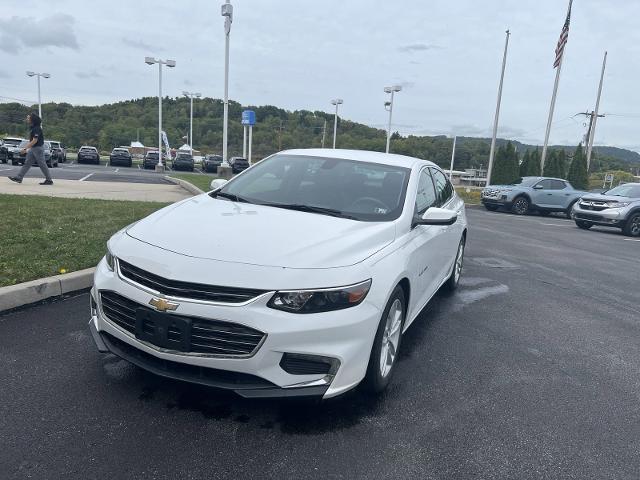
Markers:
<point>618,207</point>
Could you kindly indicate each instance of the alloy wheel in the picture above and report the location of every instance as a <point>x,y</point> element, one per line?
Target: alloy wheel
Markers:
<point>520,206</point>
<point>635,226</point>
<point>391,338</point>
<point>459,260</point>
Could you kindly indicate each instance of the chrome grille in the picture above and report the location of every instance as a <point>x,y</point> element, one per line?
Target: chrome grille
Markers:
<point>187,290</point>
<point>212,337</point>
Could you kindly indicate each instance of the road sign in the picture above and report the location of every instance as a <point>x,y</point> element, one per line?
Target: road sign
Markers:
<point>248,117</point>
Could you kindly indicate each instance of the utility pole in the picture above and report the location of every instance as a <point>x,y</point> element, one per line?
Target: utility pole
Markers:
<point>492,152</point>
<point>587,135</point>
<point>595,116</point>
<point>324,132</point>
<point>453,156</point>
<point>280,136</point>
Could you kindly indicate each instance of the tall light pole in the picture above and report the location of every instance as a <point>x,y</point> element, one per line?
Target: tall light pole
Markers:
<point>336,102</point>
<point>191,96</point>
<point>44,75</point>
<point>492,151</point>
<point>389,106</point>
<point>227,12</point>
<point>168,63</point>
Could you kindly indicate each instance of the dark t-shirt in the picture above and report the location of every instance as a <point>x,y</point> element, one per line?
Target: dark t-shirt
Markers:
<point>37,132</point>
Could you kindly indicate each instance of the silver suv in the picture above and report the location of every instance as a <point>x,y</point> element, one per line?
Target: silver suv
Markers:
<point>618,207</point>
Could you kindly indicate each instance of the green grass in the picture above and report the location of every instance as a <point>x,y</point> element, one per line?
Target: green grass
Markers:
<point>200,180</point>
<point>472,197</point>
<point>42,236</point>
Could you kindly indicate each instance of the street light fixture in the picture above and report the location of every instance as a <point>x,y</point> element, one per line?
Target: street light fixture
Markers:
<point>389,107</point>
<point>191,96</point>
<point>336,102</point>
<point>43,75</point>
<point>168,63</point>
<point>227,12</point>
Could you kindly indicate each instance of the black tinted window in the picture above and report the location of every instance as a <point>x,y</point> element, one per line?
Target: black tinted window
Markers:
<point>426,195</point>
<point>444,189</point>
<point>545,184</point>
<point>557,185</point>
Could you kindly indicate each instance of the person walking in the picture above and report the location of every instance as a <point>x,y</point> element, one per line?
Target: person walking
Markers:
<point>35,151</point>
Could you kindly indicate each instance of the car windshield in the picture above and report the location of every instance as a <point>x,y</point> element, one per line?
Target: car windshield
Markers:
<point>54,144</point>
<point>11,142</point>
<point>120,150</point>
<point>627,190</point>
<point>88,149</point>
<point>337,187</point>
<point>525,181</point>
<point>152,155</point>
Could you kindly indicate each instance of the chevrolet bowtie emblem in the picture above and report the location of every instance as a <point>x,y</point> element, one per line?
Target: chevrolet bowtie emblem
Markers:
<point>163,305</point>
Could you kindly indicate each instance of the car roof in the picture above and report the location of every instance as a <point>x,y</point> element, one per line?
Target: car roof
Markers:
<point>361,156</point>
<point>13,138</point>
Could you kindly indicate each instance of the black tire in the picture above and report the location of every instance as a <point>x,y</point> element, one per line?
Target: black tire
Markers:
<point>491,208</point>
<point>452,282</point>
<point>374,380</point>
<point>632,225</point>
<point>569,211</point>
<point>584,225</point>
<point>520,206</point>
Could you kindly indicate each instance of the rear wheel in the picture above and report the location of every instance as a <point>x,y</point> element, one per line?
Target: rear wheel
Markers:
<point>386,343</point>
<point>583,224</point>
<point>632,226</point>
<point>520,206</point>
<point>491,208</point>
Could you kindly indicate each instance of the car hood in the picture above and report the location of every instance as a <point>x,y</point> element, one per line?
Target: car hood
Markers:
<point>207,228</point>
<point>596,197</point>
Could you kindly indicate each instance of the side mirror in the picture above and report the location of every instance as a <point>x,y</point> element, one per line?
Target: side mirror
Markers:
<point>538,187</point>
<point>438,216</point>
<point>217,183</point>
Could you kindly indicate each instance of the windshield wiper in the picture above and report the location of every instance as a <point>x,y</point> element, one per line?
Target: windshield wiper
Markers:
<point>311,209</point>
<point>230,196</point>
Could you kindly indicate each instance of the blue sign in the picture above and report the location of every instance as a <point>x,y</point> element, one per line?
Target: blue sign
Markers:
<point>248,117</point>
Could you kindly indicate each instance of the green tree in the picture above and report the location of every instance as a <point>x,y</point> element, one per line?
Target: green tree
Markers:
<point>505,166</point>
<point>552,165</point>
<point>578,176</point>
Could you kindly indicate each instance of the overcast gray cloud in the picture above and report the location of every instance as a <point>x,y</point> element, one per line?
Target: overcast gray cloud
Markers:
<point>418,47</point>
<point>140,44</point>
<point>300,54</point>
<point>4,74</point>
<point>18,33</point>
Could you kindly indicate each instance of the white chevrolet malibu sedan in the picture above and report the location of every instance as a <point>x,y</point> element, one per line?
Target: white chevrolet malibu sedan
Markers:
<point>299,277</point>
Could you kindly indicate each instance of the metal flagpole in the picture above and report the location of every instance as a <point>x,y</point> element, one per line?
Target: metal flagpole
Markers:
<point>453,156</point>
<point>244,142</point>
<point>250,142</point>
<point>561,44</point>
<point>595,116</point>
<point>492,152</point>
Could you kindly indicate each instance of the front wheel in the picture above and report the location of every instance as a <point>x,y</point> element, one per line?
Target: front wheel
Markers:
<point>584,225</point>
<point>452,283</point>
<point>569,211</point>
<point>520,206</point>
<point>386,343</point>
<point>632,226</point>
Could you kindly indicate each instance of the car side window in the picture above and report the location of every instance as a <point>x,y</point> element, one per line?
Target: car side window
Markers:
<point>557,185</point>
<point>545,184</point>
<point>444,189</point>
<point>426,195</point>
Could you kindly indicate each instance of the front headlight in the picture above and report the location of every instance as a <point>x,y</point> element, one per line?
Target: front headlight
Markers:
<point>320,300</point>
<point>110,259</point>
<point>617,204</point>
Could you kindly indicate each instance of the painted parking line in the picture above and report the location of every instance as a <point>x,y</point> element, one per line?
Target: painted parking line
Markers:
<point>117,170</point>
<point>555,224</point>
<point>85,177</point>
<point>5,169</point>
<point>631,239</point>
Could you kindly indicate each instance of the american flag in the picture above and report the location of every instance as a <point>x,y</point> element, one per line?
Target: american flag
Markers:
<point>564,36</point>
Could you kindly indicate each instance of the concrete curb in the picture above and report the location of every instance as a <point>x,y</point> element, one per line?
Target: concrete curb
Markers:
<point>35,291</point>
<point>189,187</point>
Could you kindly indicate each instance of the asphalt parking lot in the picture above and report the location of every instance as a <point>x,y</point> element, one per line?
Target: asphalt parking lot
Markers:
<point>90,173</point>
<point>531,370</point>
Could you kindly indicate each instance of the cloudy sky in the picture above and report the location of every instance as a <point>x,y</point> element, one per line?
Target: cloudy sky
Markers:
<point>298,54</point>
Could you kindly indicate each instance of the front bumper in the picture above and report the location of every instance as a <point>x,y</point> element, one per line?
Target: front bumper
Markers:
<point>610,217</point>
<point>345,336</point>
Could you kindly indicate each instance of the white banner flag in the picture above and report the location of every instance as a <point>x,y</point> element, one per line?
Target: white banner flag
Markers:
<point>165,140</point>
